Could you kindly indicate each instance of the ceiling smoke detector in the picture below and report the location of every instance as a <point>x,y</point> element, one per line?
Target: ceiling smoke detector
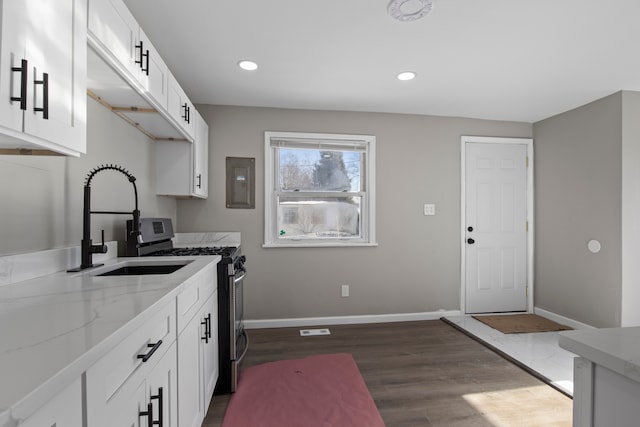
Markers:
<point>409,10</point>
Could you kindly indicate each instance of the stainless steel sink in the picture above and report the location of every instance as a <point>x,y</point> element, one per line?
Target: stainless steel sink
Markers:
<point>139,268</point>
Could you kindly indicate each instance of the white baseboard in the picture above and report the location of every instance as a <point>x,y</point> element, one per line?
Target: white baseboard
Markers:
<point>561,319</point>
<point>347,320</point>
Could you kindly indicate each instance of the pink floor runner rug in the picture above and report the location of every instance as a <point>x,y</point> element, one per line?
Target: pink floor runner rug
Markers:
<point>324,390</point>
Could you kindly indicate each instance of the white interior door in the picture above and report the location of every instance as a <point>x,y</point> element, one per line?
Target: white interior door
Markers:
<point>495,227</point>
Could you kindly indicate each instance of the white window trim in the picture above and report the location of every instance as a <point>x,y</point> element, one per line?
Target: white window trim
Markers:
<point>271,183</point>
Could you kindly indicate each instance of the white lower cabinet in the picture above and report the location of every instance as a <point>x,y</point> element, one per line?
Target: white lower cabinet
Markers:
<point>209,349</point>
<point>162,373</point>
<point>134,385</point>
<point>162,393</point>
<point>197,349</point>
<point>63,410</point>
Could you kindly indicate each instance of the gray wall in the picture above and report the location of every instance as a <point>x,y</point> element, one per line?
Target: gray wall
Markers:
<point>42,196</point>
<point>578,189</point>
<point>630,208</point>
<point>415,268</point>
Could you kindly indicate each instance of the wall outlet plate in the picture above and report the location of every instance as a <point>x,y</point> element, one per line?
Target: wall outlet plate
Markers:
<point>344,291</point>
<point>429,209</point>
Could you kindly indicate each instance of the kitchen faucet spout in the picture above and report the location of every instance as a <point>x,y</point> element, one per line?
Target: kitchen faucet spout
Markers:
<point>87,247</point>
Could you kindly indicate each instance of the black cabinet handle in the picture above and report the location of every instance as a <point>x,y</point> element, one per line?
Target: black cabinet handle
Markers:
<point>143,54</point>
<point>186,112</point>
<point>199,184</point>
<point>22,69</point>
<point>141,47</point>
<point>470,241</point>
<point>45,96</point>
<point>148,413</point>
<point>154,347</point>
<point>160,413</point>
<point>207,329</point>
<point>146,69</point>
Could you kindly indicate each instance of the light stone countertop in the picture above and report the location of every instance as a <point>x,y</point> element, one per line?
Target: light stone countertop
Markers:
<point>617,349</point>
<point>52,328</point>
<point>207,238</point>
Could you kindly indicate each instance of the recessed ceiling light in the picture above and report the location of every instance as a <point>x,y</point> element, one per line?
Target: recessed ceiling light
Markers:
<point>409,10</point>
<point>248,65</point>
<point>406,75</point>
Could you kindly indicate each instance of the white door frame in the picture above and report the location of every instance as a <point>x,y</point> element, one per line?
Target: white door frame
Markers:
<point>530,234</point>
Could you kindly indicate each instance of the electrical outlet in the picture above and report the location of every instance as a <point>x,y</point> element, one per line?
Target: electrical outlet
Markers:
<point>345,291</point>
<point>429,209</point>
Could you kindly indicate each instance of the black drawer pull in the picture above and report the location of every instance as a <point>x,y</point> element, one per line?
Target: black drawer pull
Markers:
<point>22,69</point>
<point>153,347</point>
<point>160,414</point>
<point>45,95</point>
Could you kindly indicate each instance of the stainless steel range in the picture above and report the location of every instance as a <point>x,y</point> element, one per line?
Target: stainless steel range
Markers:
<point>155,239</point>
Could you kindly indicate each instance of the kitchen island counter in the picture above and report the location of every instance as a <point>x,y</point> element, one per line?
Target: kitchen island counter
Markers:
<point>617,349</point>
<point>56,326</point>
<point>606,375</point>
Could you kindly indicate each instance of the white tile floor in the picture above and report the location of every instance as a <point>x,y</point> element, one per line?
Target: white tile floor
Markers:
<point>539,351</point>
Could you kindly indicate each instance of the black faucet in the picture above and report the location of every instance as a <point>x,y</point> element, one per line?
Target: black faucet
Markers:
<point>87,248</point>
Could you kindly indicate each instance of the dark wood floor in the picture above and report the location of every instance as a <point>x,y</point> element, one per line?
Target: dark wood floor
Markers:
<point>421,374</point>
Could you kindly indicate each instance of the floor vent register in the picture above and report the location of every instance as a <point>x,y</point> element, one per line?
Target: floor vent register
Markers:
<point>311,332</point>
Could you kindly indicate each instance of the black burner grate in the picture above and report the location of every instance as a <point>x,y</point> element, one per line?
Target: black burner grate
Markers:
<point>225,251</point>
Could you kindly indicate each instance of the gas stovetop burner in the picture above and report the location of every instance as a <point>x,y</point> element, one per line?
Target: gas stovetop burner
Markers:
<point>156,236</point>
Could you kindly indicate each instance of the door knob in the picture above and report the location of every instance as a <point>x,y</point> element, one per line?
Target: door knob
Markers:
<point>470,228</point>
<point>470,241</point>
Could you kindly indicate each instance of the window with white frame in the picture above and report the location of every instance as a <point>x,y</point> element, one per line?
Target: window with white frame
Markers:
<point>319,189</point>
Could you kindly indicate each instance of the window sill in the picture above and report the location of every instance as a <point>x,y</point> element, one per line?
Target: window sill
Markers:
<point>318,245</point>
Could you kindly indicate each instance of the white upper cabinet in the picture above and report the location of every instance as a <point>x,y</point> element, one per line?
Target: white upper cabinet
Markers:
<point>202,157</point>
<point>109,87</point>
<point>183,166</point>
<point>153,72</point>
<point>180,108</point>
<point>115,31</point>
<point>116,35</point>
<point>43,75</point>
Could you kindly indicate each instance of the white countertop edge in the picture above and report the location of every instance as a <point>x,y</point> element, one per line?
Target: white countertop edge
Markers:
<point>61,380</point>
<point>29,404</point>
<point>617,349</point>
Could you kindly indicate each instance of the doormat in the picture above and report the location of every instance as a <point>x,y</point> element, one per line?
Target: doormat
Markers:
<point>324,390</point>
<point>521,323</point>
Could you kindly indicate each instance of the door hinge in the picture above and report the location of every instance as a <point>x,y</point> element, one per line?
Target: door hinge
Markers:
<point>526,226</point>
<point>527,161</point>
<point>526,291</point>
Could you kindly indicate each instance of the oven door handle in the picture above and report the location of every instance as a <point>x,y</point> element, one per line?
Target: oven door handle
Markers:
<point>241,277</point>
<point>246,346</point>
